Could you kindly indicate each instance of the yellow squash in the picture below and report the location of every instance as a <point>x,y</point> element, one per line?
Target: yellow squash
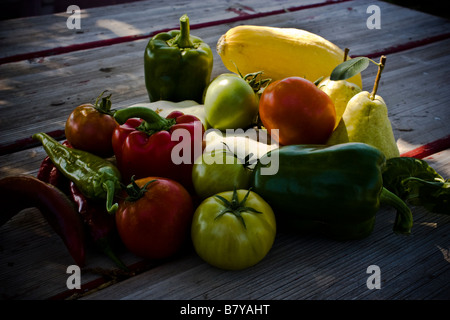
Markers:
<point>280,53</point>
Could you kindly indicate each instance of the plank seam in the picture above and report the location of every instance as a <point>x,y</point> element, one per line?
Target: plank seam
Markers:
<point>408,45</point>
<point>429,148</point>
<point>117,40</point>
<point>108,42</point>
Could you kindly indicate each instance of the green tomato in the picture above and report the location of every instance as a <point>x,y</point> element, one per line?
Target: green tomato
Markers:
<point>233,230</point>
<point>219,171</point>
<point>230,103</point>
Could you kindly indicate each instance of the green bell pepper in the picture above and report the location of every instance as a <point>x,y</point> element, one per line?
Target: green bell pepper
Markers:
<point>177,65</point>
<point>335,190</point>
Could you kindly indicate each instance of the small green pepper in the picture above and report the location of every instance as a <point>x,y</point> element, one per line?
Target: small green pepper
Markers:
<point>177,65</point>
<point>336,190</point>
<point>95,177</point>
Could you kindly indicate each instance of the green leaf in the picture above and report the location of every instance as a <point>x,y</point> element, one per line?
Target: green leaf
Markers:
<point>432,195</point>
<point>349,68</point>
<point>417,183</point>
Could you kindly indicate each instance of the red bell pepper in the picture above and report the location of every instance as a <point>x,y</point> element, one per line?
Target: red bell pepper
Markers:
<point>146,144</point>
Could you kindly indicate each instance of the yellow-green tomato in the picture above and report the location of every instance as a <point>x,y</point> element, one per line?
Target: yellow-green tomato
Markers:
<point>230,102</point>
<point>233,230</point>
<point>219,171</point>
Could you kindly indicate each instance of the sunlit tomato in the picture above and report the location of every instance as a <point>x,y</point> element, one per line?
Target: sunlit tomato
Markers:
<point>154,223</point>
<point>230,102</point>
<point>217,171</point>
<point>90,127</point>
<point>301,112</point>
<point>233,230</point>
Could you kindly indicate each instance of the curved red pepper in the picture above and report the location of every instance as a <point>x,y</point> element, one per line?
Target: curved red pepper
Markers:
<point>146,144</point>
<point>26,191</point>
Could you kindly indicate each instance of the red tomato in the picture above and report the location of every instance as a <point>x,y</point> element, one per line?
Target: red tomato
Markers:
<point>157,223</point>
<point>90,128</point>
<point>301,112</point>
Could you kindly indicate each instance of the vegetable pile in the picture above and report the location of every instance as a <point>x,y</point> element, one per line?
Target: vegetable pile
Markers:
<point>157,183</point>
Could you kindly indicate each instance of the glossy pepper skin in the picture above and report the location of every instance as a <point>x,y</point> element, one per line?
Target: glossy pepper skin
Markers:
<point>146,144</point>
<point>49,173</point>
<point>96,177</point>
<point>335,190</point>
<point>100,225</point>
<point>177,65</point>
<point>26,191</point>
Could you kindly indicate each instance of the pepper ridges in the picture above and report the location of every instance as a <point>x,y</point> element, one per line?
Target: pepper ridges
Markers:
<point>336,190</point>
<point>177,65</point>
<point>146,144</point>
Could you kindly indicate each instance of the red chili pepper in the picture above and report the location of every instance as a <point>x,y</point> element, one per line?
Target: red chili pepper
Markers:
<point>26,191</point>
<point>49,173</point>
<point>146,144</point>
<point>100,224</point>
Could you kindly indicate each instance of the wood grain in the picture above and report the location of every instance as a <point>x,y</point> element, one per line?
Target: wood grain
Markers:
<point>37,94</point>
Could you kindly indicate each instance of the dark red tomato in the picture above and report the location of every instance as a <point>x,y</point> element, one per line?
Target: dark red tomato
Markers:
<point>90,127</point>
<point>301,112</point>
<point>156,223</point>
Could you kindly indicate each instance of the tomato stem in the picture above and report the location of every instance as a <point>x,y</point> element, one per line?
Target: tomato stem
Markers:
<point>134,191</point>
<point>250,78</point>
<point>235,207</point>
<point>105,105</point>
<point>257,85</point>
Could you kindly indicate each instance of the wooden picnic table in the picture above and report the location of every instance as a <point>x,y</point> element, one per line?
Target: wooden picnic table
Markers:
<point>47,69</point>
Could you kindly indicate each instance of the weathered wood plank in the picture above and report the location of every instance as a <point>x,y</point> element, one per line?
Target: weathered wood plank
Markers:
<point>301,267</point>
<point>45,91</point>
<point>34,259</point>
<point>130,20</point>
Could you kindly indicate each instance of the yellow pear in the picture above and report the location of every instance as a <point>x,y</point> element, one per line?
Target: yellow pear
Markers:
<point>340,92</point>
<point>365,119</point>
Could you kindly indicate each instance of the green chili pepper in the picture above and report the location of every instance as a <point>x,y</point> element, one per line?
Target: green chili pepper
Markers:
<point>336,190</point>
<point>177,65</point>
<point>95,177</point>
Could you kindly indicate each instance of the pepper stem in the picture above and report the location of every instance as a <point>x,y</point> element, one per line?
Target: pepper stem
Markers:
<point>110,191</point>
<point>404,219</point>
<point>153,122</point>
<point>105,247</point>
<point>184,40</point>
